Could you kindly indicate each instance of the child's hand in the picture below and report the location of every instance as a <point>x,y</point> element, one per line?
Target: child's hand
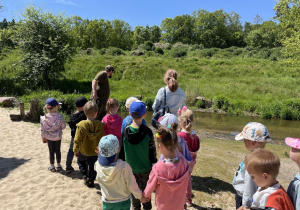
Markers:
<point>97,151</point>
<point>76,154</point>
<point>144,200</point>
<point>44,140</point>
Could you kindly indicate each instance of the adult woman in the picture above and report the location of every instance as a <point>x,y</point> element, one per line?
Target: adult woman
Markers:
<point>175,97</point>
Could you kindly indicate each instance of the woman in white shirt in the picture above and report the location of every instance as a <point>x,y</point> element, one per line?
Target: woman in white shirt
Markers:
<point>175,96</point>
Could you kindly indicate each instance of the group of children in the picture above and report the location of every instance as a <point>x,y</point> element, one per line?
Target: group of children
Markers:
<point>121,156</point>
<point>255,180</point>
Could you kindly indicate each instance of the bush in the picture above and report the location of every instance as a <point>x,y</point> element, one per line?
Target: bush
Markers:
<point>159,50</point>
<point>266,113</point>
<point>150,53</point>
<point>286,113</point>
<point>114,51</point>
<point>102,51</point>
<point>148,45</point>
<point>179,53</point>
<point>221,102</point>
<point>149,102</point>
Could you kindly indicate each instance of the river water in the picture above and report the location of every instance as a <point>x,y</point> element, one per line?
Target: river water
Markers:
<point>231,125</point>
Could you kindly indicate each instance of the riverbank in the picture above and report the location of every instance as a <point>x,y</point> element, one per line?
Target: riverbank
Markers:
<point>25,182</point>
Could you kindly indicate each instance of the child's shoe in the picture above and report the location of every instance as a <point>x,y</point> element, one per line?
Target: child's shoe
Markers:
<point>59,168</point>
<point>189,203</point>
<point>69,170</point>
<point>90,183</point>
<point>52,169</point>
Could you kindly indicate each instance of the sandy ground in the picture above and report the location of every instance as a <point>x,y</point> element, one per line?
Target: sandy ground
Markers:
<point>25,182</point>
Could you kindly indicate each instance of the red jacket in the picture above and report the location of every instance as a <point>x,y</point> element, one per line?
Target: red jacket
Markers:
<point>193,142</point>
<point>280,200</point>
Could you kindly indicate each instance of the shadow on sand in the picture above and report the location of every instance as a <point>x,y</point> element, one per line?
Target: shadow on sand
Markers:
<point>9,164</point>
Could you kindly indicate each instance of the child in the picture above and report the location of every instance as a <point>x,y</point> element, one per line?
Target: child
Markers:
<point>170,121</point>
<point>186,119</point>
<point>87,137</point>
<point>255,135</point>
<point>263,167</point>
<point>112,121</point>
<point>169,177</point>
<point>115,176</point>
<point>128,120</point>
<point>75,118</point>
<point>52,125</point>
<point>293,189</point>
<point>138,149</point>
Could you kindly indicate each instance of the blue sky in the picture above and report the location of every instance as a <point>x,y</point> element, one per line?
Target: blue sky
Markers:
<point>141,12</point>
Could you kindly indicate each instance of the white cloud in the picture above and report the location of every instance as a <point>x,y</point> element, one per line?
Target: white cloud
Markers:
<point>68,2</point>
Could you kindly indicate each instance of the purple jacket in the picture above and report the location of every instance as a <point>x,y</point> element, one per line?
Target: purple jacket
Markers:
<point>52,125</point>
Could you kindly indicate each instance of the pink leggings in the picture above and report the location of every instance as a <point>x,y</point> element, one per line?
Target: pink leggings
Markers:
<point>189,187</point>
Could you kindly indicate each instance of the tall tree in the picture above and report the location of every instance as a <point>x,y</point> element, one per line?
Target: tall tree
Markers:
<point>46,45</point>
<point>288,14</point>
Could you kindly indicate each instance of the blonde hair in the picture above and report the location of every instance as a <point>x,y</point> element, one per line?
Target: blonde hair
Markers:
<point>186,119</point>
<point>110,104</point>
<point>263,161</point>
<point>90,108</point>
<point>167,137</point>
<point>48,110</point>
<point>170,79</point>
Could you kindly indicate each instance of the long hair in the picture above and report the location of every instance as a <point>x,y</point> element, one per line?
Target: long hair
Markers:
<point>111,103</point>
<point>170,79</point>
<point>167,137</point>
<point>186,119</point>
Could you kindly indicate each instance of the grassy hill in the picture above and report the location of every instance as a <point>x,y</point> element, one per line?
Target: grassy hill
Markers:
<point>235,82</point>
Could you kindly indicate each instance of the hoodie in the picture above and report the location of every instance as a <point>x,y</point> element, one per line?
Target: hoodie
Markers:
<point>74,119</point>
<point>117,182</point>
<point>169,180</point>
<point>138,148</point>
<point>87,137</point>
<point>52,125</point>
<point>112,125</point>
<point>127,121</point>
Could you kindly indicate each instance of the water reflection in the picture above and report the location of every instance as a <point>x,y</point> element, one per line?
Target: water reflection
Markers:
<point>232,125</point>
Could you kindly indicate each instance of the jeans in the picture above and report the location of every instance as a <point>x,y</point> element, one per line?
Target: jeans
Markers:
<point>141,180</point>
<point>86,166</point>
<point>70,154</point>
<point>54,147</point>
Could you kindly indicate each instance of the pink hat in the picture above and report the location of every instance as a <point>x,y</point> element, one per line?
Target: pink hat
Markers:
<point>293,142</point>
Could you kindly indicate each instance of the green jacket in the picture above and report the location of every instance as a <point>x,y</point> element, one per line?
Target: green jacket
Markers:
<point>138,148</point>
<point>87,137</point>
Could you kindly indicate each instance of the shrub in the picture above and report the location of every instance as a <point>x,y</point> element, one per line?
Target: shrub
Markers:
<point>150,53</point>
<point>149,102</point>
<point>148,45</point>
<point>221,102</point>
<point>159,50</point>
<point>266,113</point>
<point>102,51</point>
<point>179,53</point>
<point>114,51</point>
<point>286,113</point>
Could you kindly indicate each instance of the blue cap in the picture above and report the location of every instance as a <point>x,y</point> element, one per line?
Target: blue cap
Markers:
<point>51,102</point>
<point>108,148</point>
<point>137,109</point>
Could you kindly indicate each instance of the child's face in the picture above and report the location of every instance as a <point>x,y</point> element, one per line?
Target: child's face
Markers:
<point>295,154</point>
<point>249,145</point>
<point>114,110</point>
<point>260,179</point>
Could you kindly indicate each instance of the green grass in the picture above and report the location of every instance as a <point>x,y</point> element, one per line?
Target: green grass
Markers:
<point>248,83</point>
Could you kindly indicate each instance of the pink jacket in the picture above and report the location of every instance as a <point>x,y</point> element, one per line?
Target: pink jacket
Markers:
<point>169,180</point>
<point>112,125</point>
<point>52,125</point>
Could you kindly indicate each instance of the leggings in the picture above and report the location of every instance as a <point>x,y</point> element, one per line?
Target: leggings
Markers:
<point>54,147</point>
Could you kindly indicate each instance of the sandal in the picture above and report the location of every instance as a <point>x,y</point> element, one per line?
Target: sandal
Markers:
<point>52,169</point>
<point>58,168</point>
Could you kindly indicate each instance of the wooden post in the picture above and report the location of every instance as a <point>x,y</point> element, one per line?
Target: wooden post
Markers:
<point>22,110</point>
